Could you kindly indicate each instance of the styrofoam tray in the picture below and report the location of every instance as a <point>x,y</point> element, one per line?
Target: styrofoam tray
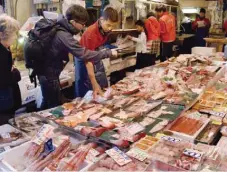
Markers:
<point>157,165</point>
<point>13,160</point>
<point>8,128</point>
<point>30,131</point>
<point>186,136</point>
<point>94,165</point>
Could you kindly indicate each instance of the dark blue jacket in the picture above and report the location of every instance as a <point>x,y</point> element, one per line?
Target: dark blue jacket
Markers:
<point>64,43</point>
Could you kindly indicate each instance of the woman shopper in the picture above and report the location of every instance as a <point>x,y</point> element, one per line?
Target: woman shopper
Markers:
<point>143,58</point>
<point>10,98</point>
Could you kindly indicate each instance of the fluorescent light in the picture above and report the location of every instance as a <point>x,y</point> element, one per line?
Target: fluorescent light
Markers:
<point>189,10</point>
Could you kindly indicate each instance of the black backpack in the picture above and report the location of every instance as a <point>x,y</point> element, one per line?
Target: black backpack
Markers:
<point>38,44</point>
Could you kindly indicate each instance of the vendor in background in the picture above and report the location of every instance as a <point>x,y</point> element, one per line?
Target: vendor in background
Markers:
<point>201,25</point>
<point>10,97</point>
<point>143,57</point>
<point>167,32</point>
<point>153,36</point>
<point>92,75</point>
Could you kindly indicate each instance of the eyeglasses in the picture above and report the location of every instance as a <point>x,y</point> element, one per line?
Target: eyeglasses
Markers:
<point>82,24</point>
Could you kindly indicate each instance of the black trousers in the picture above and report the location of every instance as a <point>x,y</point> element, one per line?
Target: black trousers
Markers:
<point>144,60</point>
<point>5,116</point>
<point>166,51</point>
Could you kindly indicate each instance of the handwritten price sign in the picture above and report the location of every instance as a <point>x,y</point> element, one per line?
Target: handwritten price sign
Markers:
<point>171,139</point>
<point>45,132</point>
<point>193,153</point>
<point>118,156</point>
<point>137,154</point>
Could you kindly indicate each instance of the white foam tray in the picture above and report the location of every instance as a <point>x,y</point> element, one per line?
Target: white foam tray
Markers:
<point>186,136</point>
<point>8,128</point>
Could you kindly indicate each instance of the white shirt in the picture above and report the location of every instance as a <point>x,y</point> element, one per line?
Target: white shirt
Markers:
<point>141,43</point>
<point>1,10</point>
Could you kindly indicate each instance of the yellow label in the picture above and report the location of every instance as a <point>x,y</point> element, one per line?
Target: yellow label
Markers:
<point>159,135</point>
<point>217,122</point>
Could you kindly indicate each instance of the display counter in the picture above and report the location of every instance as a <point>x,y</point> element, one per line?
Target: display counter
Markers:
<point>178,106</point>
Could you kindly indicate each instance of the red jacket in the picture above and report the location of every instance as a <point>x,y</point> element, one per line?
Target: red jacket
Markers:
<point>153,28</point>
<point>225,26</point>
<point>92,38</point>
<point>195,23</point>
<point>168,27</point>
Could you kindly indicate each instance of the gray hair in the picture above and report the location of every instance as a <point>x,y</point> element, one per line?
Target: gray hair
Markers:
<point>8,26</point>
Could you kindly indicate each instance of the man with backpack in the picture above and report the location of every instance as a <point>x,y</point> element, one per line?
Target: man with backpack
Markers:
<point>48,47</point>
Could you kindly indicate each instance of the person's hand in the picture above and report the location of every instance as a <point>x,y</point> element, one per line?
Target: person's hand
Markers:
<point>12,68</point>
<point>64,64</point>
<point>129,37</point>
<point>97,91</point>
<point>114,53</point>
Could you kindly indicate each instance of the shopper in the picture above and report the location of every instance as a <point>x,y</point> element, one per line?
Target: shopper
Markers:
<point>92,75</point>
<point>201,25</point>
<point>62,44</point>
<point>143,58</point>
<point>168,31</point>
<point>153,36</point>
<point>10,98</point>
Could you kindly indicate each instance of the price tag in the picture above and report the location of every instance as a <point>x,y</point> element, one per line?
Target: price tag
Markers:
<point>134,128</point>
<point>195,114</point>
<point>118,156</point>
<point>92,155</point>
<point>221,114</point>
<point>193,153</point>
<point>43,134</point>
<point>93,152</point>
<point>216,122</point>
<point>159,135</point>
<point>171,139</point>
<point>5,135</point>
<point>137,154</point>
<point>215,112</point>
<point>125,135</point>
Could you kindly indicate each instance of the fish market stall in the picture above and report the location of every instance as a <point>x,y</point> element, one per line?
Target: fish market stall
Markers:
<point>171,116</point>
